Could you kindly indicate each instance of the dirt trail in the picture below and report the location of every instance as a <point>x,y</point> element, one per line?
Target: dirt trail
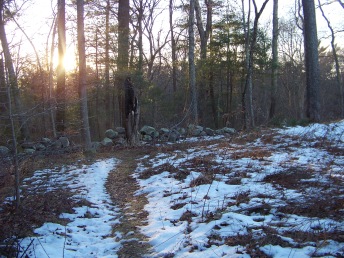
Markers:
<point>122,187</point>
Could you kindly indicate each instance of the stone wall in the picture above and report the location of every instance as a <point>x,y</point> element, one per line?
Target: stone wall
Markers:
<point>116,137</point>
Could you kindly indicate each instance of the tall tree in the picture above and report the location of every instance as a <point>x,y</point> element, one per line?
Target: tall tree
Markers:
<point>123,37</point>
<point>13,82</point>
<point>61,72</point>
<point>14,143</point>
<point>274,65</point>
<point>247,33</point>
<point>82,74</point>
<point>173,49</point>
<point>3,91</point>
<point>192,73</point>
<point>311,61</point>
<point>50,68</point>
<point>123,54</point>
<point>109,114</point>
<point>139,6</point>
<point>205,35</point>
<point>249,73</point>
<point>129,119</point>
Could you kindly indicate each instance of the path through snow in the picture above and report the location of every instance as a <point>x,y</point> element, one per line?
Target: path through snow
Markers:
<point>88,234</point>
<point>251,198</point>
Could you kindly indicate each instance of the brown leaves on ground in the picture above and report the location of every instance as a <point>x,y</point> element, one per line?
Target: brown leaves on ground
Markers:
<point>122,187</point>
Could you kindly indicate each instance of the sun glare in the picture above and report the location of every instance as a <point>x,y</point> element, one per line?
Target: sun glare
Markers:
<point>70,59</point>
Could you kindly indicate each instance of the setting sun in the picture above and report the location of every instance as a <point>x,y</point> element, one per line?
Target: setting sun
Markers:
<point>70,59</point>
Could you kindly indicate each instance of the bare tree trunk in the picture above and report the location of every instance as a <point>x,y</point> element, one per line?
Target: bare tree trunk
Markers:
<point>173,49</point>
<point>248,84</point>
<point>336,61</point>
<point>82,75</point>
<point>3,91</point>
<point>229,81</point>
<point>204,34</point>
<point>13,79</point>
<point>123,55</point>
<point>192,73</point>
<point>312,62</point>
<point>61,72</point>
<point>247,33</point>
<point>123,37</point>
<point>140,42</point>
<point>14,137</point>
<point>99,134</point>
<point>52,101</point>
<point>109,115</point>
<point>274,66</point>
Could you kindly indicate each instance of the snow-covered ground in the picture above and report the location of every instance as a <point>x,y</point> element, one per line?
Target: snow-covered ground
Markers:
<point>88,234</point>
<point>266,196</point>
<point>194,215</point>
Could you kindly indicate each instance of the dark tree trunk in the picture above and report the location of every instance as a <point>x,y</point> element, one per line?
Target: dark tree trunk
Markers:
<point>274,66</point>
<point>192,74</point>
<point>15,149</point>
<point>173,49</point>
<point>97,97</point>
<point>6,101</point>
<point>140,44</point>
<point>247,33</point>
<point>61,73</point>
<point>123,54</point>
<point>129,119</point>
<point>82,75</point>
<point>51,80</point>
<point>3,89</point>
<point>311,62</point>
<point>204,34</point>
<point>108,94</point>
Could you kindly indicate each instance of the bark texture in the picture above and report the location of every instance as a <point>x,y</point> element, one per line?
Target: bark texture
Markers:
<point>311,62</point>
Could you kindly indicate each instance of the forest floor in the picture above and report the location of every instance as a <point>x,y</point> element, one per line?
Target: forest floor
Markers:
<point>122,188</point>
<point>267,193</point>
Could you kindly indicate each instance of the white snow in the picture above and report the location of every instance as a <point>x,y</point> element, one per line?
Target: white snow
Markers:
<point>209,219</point>
<point>213,208</point>
<point>88,234</point>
